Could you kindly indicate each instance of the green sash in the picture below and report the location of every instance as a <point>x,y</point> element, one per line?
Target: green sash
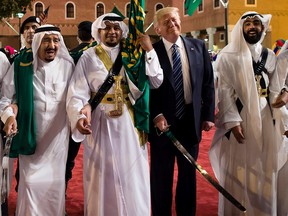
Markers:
<point>25,141</point>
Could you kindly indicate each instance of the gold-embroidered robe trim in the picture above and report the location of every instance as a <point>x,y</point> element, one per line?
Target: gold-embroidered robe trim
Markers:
<point>104,57</point>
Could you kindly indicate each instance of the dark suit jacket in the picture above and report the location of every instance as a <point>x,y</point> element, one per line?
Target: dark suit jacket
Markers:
<point>162,100</point>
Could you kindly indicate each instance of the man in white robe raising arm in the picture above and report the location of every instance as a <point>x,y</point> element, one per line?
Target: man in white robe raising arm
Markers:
<point>116,169</point>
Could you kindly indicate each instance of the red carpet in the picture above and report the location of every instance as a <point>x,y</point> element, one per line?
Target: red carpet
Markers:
<point>207,196</point>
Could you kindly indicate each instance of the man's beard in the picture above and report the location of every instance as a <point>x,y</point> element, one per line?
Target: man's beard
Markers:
<point>111,44</point>
<point>49,60</point>
<point>252,39</point>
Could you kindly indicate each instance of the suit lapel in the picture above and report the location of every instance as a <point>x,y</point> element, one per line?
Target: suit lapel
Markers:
<point>191,55</point>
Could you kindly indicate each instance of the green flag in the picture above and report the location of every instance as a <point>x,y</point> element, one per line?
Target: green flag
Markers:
<point>116,11</point>
<point>191,6</point>
<point>133,58</point>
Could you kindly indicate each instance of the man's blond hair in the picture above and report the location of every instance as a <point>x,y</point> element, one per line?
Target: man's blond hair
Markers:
<point>163,11</point>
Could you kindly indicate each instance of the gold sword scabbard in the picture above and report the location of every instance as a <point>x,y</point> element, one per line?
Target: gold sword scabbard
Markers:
<point>259,88</point>
<point>118,98</point>
<point>261,92</point>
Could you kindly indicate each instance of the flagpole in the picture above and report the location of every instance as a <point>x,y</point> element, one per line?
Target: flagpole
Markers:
<point>226,22</point>
<point>11,26</point>
<point>149,26</point>
<point>225,5</point>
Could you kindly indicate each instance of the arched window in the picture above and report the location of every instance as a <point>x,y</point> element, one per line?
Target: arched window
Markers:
<point>128,10</point>
<point>158,6</point>
<point>38,9</point>
<point>185,10</point>
<point>70,10</point>
<point>200,7</point>
<point>99,9</point>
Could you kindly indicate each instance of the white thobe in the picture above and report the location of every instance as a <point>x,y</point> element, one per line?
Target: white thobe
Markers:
<point>282,67</point>
<point>282,191</point>
<point>41,189</point>
<point>4,66</point>
<point>116,169</point>
<point>248,170</point>
<point>4,62</point>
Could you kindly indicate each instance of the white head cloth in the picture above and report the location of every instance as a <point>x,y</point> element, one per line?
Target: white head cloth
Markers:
<point>284,47</point>
<point>100,24</point>
<point>62,52</point>
<point>238,43</point>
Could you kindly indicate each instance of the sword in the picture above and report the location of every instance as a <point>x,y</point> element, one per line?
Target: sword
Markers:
<point>203,172</point>
<point>5,165</point>
<point>11,26</point>
<point>149,27</point>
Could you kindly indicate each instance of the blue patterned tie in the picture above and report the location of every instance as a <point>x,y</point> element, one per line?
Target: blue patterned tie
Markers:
<point>178,81</point>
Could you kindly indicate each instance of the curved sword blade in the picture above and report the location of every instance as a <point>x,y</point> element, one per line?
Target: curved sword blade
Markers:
<point>203,172</point>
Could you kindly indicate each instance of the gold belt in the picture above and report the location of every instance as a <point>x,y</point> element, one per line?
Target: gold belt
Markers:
<point>110,99</point>
<point>119,97</point>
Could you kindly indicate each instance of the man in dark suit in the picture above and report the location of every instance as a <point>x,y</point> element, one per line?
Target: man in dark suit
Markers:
<point>187,121</point>
<point>84,35</point>
<point>85,40</point>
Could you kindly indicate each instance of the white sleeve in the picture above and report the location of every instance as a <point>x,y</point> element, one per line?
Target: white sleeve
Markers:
<point>153,69</point>
<point>7,92</point>
<point>6,114</point>
<point>282,68</point>
<point>228,115</point>
<point>77,96</point>
<point>5,64</point>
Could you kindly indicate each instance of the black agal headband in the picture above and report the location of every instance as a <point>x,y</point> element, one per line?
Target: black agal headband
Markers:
<point>112,18</point>
<point>251,15</point>
<point>48,28</point>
